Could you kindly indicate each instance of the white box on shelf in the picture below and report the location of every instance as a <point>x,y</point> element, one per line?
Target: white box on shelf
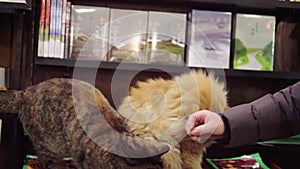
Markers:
<point>210,38</point>
<point>127,36</point>
<point>166,38</point>
<point>89,32</point>
<point>2,77</point>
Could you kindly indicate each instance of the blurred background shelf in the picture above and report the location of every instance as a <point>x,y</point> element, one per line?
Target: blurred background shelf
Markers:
<point>71,63</point>
<point>15,5</point>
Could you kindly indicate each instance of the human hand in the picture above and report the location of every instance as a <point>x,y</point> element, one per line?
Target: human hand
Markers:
<point>204,125</point>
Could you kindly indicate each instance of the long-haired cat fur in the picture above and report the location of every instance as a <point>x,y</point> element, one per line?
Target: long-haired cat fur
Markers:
<point>159,107</point>
<point>47,112</point>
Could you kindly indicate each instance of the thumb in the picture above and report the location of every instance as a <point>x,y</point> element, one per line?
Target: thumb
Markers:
<point>199,130</point>
<point>195,119</point>
<point>212,126</point>
<point>202,133</point>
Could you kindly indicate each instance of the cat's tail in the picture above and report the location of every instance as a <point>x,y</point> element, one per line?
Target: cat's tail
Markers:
<point>110,114</point>
<point>10,101</point>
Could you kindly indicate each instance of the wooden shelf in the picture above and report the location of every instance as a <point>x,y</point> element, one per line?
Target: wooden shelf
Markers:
<point>7,6</point>
<point>267,4</point>
<point>230,5</point>
<point>71,63</point>
<point>263,74</point>
<point>287,4</point>
<point>162,68</point>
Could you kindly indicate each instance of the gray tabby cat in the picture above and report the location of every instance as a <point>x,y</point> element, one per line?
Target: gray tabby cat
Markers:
<point>61,116</point>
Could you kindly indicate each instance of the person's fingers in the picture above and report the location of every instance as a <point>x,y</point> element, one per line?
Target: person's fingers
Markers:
<point>204,137</point>
<point>205,125</point>
<point>190,122</point>
<point>205,131</point>
<point>195,119</point>
<point>195,138</point>
<point>210,127</point>
<point>197,131</point>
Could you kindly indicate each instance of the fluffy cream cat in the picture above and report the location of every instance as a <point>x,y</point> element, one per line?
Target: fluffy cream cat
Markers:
<point>159,108</point>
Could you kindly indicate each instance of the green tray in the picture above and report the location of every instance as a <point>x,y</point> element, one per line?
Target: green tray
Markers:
<point>256,156</point>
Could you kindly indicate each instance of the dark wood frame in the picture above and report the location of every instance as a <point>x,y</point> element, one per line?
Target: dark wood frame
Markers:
<point>27,5</point>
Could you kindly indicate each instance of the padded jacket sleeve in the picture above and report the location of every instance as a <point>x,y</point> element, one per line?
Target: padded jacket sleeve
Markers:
<point>270,117</point>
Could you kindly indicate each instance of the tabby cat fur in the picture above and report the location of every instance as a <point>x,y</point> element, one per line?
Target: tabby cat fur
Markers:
<point>159,107</point>
<point>47,113</point>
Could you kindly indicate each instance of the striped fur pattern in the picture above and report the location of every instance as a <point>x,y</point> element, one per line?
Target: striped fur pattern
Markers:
<point>47,112</point>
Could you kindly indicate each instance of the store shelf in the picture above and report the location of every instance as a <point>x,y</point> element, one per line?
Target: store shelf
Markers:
<point>267,4</point>
<point>71,63</point>
<point>287,4</point>
<point>263,74</point>
<point>165,68</point>
<point>10,6</point>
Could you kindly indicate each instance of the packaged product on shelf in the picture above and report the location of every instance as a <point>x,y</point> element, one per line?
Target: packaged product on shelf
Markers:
<point>66,46</point>
<point>52,29</point>
<point>242,162</point>
<point>41,28</point>
<point>46,28</point>
<point>210,38</point>
<point>166,38</point>
<point>2,77</point>
<point>254,42</point>
<point>89,32</point>
<point>127,36</point>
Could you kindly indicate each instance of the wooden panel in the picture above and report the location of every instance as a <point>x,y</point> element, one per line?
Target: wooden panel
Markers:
<point>11,147</point>
<point>246,89</point>
<point>27,53</point>
<point>6,39</point>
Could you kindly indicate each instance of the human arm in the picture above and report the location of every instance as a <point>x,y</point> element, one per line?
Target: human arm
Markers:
<point>270,117</point>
